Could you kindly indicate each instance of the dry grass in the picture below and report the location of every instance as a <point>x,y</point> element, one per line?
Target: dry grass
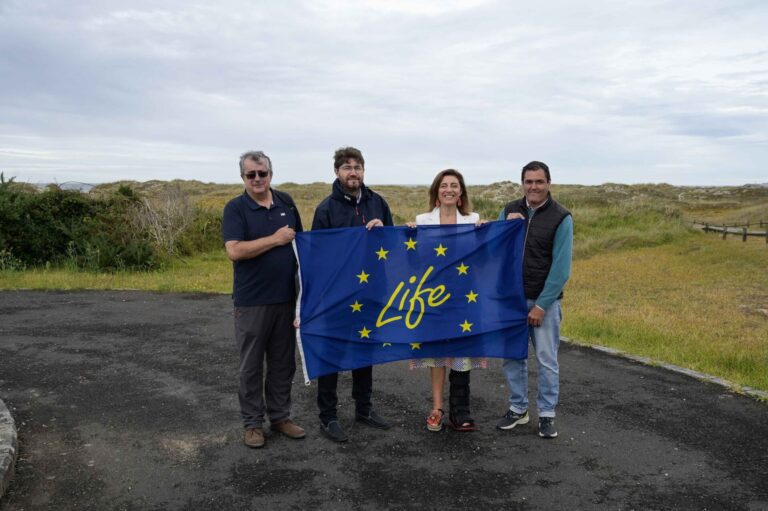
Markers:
<point>699,302</point>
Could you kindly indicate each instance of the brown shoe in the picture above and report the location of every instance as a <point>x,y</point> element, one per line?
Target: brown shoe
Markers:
<point>254,437</point>
<point>289,429</point>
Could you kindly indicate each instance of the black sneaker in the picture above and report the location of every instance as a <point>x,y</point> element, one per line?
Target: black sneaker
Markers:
<point>547,427</point>
<point>373,420</point>
<point>512,419</point>
<point>333,431</point>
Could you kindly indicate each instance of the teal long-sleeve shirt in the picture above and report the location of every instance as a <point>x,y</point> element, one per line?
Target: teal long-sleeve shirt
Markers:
<point>562,252</point>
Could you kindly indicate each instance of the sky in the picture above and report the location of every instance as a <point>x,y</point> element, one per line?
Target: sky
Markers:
<point>602,91</point>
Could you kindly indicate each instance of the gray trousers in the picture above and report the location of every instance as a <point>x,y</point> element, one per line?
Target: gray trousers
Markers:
<point>265,333</point>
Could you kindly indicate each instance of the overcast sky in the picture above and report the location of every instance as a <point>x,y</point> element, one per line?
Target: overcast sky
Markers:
<point>602,91</point>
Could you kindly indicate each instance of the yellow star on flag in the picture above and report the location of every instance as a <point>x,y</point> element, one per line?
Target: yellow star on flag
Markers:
<point>410,244</point>
<point>363,276</point>
<point>415,345</point>
<point>462,269</point>
<point>382,253</point>
<point>440,249</point>
<point>364,333</point>
<point>387,344</point>
<point>357,306</point>
<point>471,297</point>
<point>466,326</point>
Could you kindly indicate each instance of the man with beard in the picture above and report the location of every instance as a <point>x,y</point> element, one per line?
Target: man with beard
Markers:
<point>351,204</point>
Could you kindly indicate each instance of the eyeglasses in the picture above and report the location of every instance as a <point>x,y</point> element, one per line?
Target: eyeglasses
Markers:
<point>252,175</point>
<point>350,168</point>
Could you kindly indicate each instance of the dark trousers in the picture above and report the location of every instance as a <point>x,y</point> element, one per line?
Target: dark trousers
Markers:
<point>265,333</point>
<point>362,387</point>
<point>458,396</point>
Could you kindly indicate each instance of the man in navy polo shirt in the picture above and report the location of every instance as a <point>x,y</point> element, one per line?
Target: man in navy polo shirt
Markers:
<point>258,228</point>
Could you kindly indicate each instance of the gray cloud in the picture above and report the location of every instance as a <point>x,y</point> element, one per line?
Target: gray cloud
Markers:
<point>612,91</point>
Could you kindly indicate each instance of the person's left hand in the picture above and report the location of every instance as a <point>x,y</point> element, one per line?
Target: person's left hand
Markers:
<point>535,316</point>
<point>374,223</point>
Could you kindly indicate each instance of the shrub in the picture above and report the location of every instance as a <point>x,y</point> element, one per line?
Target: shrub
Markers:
<point>164,217</point>
<point>57,226</point>
<point>203,234</point>
<point>9,262</point>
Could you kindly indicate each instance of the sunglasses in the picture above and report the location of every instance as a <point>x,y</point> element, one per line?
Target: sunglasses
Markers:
<point>261,173</point>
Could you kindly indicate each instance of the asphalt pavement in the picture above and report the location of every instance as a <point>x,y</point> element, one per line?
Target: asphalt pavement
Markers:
<point>127,400</point>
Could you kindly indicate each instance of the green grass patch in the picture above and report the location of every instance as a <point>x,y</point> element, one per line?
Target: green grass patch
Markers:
<point>210,272</point>
<point>699,302</point>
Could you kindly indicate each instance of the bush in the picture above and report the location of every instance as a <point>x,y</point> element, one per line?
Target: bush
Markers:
<point>9,262</point>
<point>60,226</point>
<point>117,230</point>
<point>203,234</point>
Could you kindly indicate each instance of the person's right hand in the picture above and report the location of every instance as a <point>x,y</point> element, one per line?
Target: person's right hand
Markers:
<point>284,235</point>
<point>410,225</point>
<point>515,216</point>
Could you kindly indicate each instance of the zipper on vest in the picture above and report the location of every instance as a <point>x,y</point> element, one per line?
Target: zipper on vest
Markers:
<point>528,221</point>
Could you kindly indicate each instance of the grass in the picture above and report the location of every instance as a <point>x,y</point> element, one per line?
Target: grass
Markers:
<point>208,273</point>
<point>698,302</point>
<point>643,281</point>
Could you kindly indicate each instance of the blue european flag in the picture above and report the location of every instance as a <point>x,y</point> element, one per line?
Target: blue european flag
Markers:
<point>394,293</point>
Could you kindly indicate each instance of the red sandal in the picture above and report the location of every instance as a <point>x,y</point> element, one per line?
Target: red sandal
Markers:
<point>435,420</point>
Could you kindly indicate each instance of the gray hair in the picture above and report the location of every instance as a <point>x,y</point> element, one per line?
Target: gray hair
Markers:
<point>258,157</point>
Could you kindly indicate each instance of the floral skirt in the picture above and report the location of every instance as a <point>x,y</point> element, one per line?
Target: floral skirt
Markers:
<point>457,363</point>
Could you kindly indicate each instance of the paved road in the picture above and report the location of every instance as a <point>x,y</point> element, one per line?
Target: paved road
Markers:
<point>126,400</point>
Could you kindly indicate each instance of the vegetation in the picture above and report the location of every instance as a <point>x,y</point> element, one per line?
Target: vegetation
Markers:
<point>643,280</point>
<point>699,302</point>
<point>119,230</point>
<point>60,226</point>
<point>203,273</point>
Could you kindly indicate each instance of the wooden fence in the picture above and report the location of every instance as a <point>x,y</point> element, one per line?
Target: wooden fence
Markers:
<point>742,230</point>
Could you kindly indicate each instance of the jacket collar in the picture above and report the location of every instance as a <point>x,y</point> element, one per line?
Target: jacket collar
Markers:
<point>337,192</point>
<point>434,217</point>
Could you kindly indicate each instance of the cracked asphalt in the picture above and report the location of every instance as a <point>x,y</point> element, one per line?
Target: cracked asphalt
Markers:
<point>127,400</point>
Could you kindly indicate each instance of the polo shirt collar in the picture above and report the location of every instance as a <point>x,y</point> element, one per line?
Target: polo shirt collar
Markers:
<point>255,205</point>
<point>546,201</point>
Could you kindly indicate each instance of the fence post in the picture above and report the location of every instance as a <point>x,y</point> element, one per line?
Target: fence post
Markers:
<point>725,230</point>
<point>706,227</point>
<point>743,234</point>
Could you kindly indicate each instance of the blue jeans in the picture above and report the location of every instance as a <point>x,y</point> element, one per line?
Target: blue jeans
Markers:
<point>546,341</point>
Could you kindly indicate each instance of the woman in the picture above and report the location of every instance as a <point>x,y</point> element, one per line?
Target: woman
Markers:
<point>448,196</point>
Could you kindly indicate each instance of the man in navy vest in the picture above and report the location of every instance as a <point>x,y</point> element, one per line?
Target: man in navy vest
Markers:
<point>546,268</point>
<point>258,228</point>
<point>350,204</point>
